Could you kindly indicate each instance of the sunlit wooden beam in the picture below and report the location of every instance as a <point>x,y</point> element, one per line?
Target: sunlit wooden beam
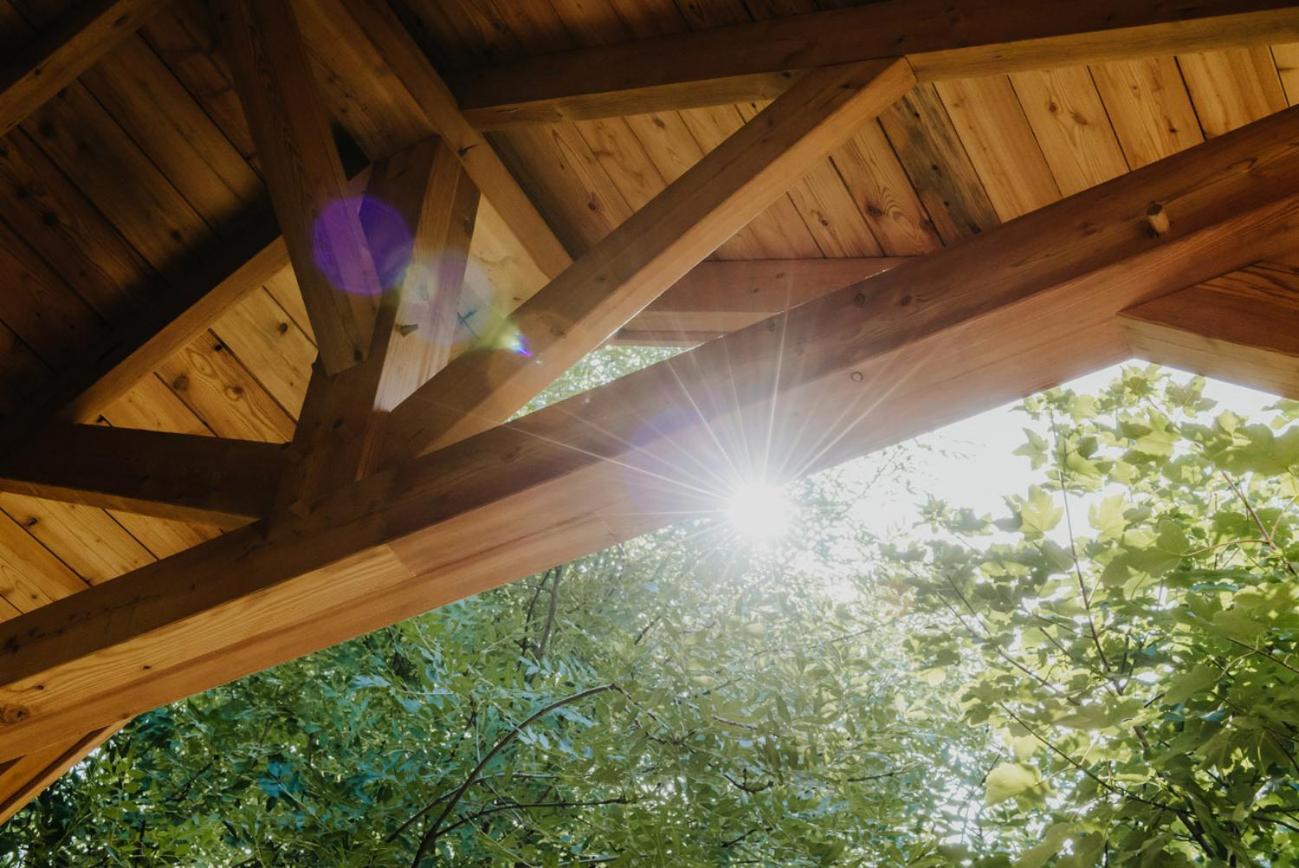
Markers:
<point>579,310</point>
<point>1242,327</point>
<point>1006,313</point>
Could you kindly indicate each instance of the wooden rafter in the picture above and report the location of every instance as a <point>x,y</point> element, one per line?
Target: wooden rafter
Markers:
<point>720,296</point>
<point>942,39</point>
<point>22,779</point>
<point>376,20</point>
<point>178,476</point>
<point>343,417</point>
<point>1006,313</point>
<point>577,311</point>
<point>305,176</point>
<point>57,58</point>
<point>1242,327</point>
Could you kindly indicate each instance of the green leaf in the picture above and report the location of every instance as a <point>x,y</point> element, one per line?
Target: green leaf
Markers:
<point>1107,518</point>
<point>1186,685</point>
<point>1052,840</point>
<point>1009,781</point>
<point>1039,514</point>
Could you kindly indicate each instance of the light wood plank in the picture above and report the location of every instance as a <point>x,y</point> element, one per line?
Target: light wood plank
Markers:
<point>1001,145</point>
<point>1067,116</point>
<point>1149,107</point>
<point>1233,87</point>
<point>576,312</point>
<point>931,152</point>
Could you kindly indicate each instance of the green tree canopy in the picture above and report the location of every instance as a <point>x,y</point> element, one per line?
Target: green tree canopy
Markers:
<point>1106,674</point>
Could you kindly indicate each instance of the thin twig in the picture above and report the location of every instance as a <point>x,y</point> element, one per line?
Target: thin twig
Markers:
<point>434,830</point>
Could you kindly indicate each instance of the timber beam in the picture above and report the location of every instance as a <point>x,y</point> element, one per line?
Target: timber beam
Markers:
<point>721,296</point>
<point>1018,309</point>
<point>1241,327</point>
<point>186,477</point>
<point>328,249</point>
<point>941,39</point>
<point>635,263</point>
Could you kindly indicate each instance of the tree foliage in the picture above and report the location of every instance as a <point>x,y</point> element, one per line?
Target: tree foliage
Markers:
<point>1129,630</point>
<point>1104,675</point>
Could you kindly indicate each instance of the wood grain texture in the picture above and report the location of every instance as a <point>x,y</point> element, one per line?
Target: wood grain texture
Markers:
<point>716,297</point>
<point>576,312</point>
<point>1066,113</point>
<point>344,415</point>
<point>942,40</point>
<point>1233,87</point>
<point>1149,107</point>
<point>305,176</point>
<point>23,780</point>
<point>1001,145</point>
<point>930,150</point>
<point>913,347</point>
<point>376,20</point>
<point>1242,327</point>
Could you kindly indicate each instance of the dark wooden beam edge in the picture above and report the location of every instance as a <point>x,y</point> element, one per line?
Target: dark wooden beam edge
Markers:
<point>176,476</point>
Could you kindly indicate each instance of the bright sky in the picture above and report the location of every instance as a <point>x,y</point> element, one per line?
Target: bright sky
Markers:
<point>974,466</point>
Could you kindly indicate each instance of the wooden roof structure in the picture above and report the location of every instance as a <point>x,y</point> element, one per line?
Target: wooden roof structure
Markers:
<point>276,273</point>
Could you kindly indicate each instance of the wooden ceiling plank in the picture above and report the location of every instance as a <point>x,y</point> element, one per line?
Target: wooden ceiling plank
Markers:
<point>916,346</point>
<point>883,194</point>
<point>1242,327</point>
<point>1287,66</point>
<point>1233,87</point>
<point>377,20</point>
<point>1001,145</point>
<point>644,256</point>
<point>175,476</point>
<point>343,418</point>
<point>220,390</point>
<point>720,296</point>
<point>30,575</point>
<point>930,151</point>
<point>1069,120</point>
<point>304,175</point>
<point>941,39</point>
<point>57,57</point>
<point>1148,104</point>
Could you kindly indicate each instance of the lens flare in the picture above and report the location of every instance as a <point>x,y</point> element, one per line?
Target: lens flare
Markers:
<point>387,235</point>
<point>760,512</point>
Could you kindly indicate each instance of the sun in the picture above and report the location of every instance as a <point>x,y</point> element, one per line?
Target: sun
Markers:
<point>760,512</point>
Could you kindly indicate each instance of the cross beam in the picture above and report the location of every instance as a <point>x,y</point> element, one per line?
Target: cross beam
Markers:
<point>941,39</point>
<point>177,476</point>
<point>1241,327</point>
<point>1018,309</point>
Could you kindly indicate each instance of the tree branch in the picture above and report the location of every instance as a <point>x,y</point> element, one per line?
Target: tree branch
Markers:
<point>434,830</point>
